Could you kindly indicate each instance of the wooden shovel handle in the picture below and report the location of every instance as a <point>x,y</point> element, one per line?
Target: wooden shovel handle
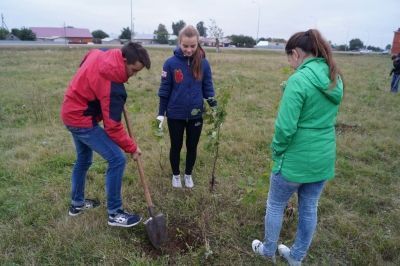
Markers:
<point>139,164</point>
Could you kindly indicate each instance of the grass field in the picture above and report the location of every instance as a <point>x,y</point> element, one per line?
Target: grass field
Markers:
<point>359,214</point>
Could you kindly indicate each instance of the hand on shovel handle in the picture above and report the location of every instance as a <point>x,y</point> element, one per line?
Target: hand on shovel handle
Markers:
<point>136,154</point>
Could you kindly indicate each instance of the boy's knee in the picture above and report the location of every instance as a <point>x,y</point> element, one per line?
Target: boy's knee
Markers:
<point>117,160</point>
<point>84,163</point>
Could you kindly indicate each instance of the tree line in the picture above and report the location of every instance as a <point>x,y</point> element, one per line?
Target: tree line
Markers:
<point>357,45</point>
<point>162,36</point>
<point>24,34</point>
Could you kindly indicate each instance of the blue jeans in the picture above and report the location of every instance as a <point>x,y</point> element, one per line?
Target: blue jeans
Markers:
<point>279,194</point>
<point>395,83</point>
<point>95,139</point>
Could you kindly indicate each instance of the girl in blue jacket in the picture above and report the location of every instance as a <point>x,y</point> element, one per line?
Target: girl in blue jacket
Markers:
<point>185,81</point>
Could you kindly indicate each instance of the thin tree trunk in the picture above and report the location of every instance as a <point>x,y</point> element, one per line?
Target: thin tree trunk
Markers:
<point>160,160</point>
<point>215,162</point>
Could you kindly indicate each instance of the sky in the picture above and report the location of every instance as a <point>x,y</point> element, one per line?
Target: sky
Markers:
<point>339,21</point>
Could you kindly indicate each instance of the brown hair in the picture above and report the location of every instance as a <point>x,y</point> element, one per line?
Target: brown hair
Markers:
<point>312,42</point>
<point>190,31</point>
<point>134,52</point>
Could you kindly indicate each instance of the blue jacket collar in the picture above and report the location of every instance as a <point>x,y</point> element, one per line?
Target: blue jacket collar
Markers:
<point>178,53</point>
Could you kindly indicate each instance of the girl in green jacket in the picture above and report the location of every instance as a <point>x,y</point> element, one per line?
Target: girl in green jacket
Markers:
<point>304,143</point>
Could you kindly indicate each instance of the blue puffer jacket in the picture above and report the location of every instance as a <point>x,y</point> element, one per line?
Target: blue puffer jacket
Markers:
<point>181,95</point>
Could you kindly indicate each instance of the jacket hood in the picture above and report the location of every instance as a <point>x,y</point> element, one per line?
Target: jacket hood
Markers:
<point>316,70</point>
<point>112,66</point>
<point>178,53</point>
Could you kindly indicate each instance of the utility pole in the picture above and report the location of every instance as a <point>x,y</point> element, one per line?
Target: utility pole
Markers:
<point>258,17</point>
<point>132,32</point>
<point>258,22</point>
<point>65,35</point>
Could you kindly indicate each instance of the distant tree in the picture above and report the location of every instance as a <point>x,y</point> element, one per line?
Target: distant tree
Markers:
<point>24,34</point>
<point>243,41</point>
<point>216,32</point>
<point>262,39</point>
<point>99,34</point>
<point>388,47</point>
<point>27,35</point>
<point>161,34</point>
<point>342,47</point>
<point>15,32</point>
<point>356,44</point>
<point>176,27</point>
<point>125,33</point>
<point>374,48</point>
<point>3,33</point>
<point>202,29</point>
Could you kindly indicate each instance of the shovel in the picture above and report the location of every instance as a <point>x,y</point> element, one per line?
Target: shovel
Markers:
<point>156,225</point>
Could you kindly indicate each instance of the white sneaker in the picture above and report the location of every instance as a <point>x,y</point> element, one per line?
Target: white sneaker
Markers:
<point>284,251</point>
<point>188,181</point>
<point>176,181</point>
<point>257,246</point>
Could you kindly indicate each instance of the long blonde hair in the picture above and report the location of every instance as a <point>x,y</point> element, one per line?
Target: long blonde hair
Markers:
<point>190,31</point>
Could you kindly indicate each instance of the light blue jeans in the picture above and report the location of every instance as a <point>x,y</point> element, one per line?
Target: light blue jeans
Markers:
<point>279,194</point>
<point>95,139</point>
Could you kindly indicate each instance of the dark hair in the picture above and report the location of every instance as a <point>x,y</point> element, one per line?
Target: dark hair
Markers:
<point>134,52</point>
<point>312,42</point>
<point>199,54</point>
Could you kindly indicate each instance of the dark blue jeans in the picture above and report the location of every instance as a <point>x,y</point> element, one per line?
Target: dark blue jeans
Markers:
<point>395,83</point>
<point>95,139</point>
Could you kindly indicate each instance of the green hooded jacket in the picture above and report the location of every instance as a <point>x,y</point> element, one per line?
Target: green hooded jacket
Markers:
<point>304,142</point>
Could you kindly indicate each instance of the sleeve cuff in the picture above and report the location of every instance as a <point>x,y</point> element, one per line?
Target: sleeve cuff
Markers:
<point>163,106</point>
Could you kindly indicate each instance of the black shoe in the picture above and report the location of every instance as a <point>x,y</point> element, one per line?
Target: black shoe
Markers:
<point>89,204</point>
<point>123,219</point>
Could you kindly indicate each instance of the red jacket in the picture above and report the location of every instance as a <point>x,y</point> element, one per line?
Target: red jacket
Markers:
<point>97,93</point>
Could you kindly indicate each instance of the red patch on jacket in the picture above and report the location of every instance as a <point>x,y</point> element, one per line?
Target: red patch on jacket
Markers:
<point>178,75</point>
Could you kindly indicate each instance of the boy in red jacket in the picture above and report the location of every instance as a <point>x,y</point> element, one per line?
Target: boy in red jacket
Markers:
<point>97,93</point>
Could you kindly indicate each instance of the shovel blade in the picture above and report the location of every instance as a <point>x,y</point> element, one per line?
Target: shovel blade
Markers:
<point>156,228</point>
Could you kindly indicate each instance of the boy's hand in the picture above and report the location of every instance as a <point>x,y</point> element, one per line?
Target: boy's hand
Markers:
<point>160,118</point>
<point>137,153</point>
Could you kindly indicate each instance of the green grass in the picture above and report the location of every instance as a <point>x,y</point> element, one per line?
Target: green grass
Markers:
<point>359,214</point>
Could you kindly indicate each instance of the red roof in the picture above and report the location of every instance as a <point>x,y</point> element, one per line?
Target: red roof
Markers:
<point>47,32</point>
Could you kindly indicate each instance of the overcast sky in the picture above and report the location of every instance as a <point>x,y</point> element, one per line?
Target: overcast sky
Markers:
<point>372,21</point>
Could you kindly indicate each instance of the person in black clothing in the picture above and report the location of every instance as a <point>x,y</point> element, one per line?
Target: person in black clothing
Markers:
<point>396,73</point>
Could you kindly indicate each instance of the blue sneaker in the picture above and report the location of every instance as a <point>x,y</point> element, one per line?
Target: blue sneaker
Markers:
<point>89,204</point>
<point>123,219</point>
